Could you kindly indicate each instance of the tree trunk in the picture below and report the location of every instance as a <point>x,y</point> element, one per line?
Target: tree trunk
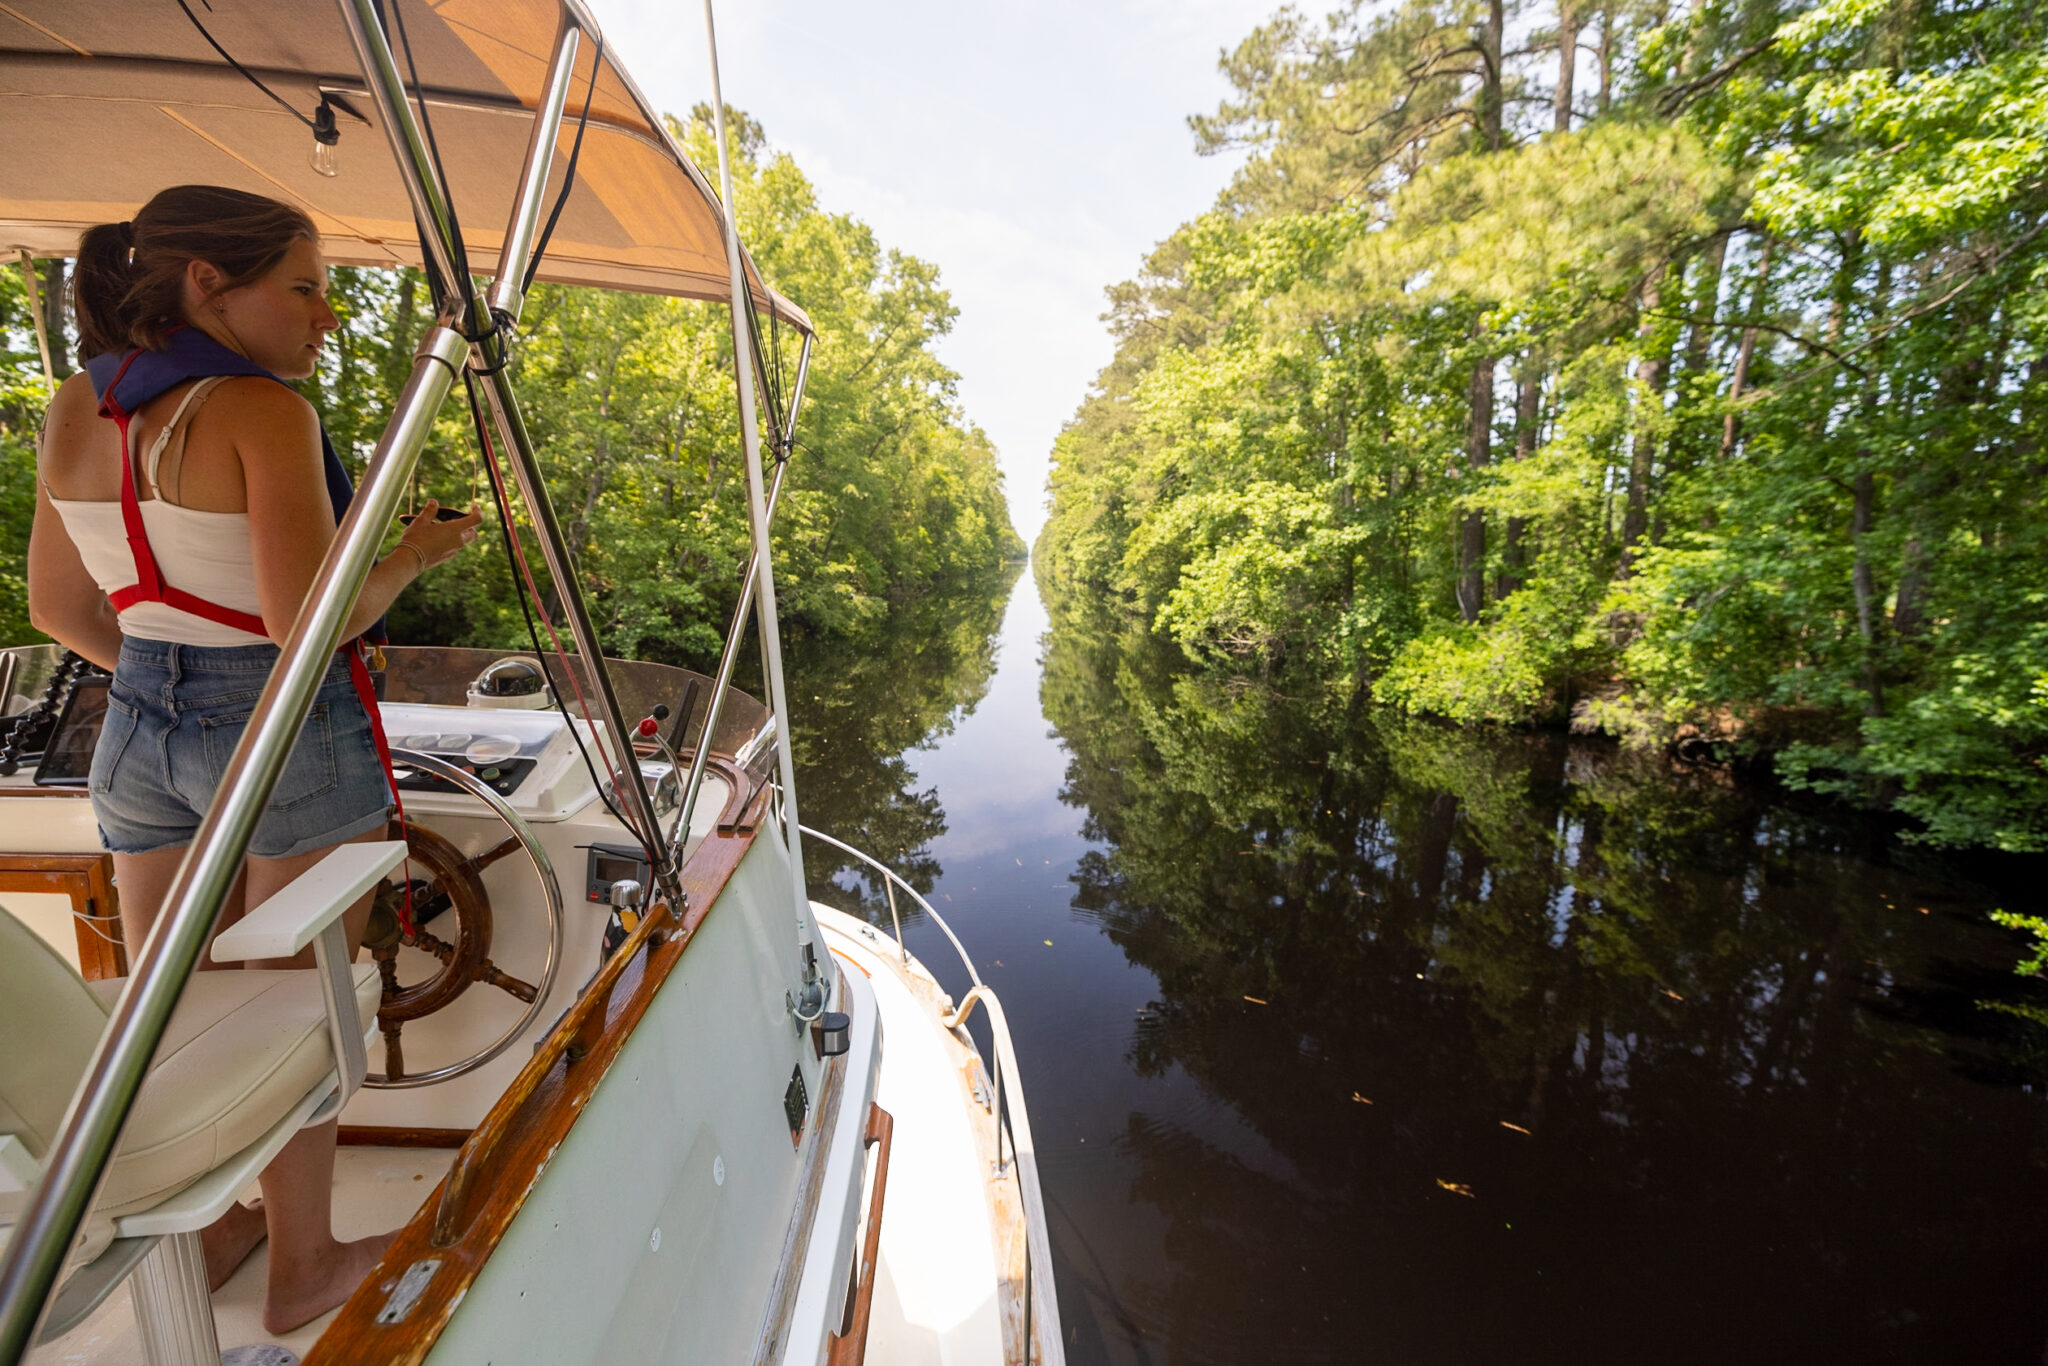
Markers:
<point>1699,333</point>
<point>1731,426</point>
<point>1866,590</point>
<point>1606,58</point>
<point>1478,454</point>
<point>1909,613</point>
<point>1492,102</point>
<point>50,281</point>
<point>1862,577</point>
<point>1642,459</point>
<point>1960,388</point>
<point>1528,411</point>
<point>1567,66</point>
<point>1479,427</point>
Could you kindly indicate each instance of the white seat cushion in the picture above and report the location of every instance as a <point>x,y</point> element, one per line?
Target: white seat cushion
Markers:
<point>49,1025</point>
<point>243,1047</point>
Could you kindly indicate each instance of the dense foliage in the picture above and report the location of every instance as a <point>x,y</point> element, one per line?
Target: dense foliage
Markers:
<point>1680,373</point>
<point>892,495</point>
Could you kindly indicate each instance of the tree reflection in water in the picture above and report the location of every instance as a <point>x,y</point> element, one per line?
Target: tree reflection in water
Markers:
<point>1546,1050</point>
<point>862,706</point>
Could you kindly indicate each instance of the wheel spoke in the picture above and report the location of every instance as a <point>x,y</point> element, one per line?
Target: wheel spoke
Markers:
<point>472,867</point>
<point>488,972</point>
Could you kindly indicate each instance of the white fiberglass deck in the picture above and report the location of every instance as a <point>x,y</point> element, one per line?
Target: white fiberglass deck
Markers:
<point>375,1190</point>
<point>936,1291</point>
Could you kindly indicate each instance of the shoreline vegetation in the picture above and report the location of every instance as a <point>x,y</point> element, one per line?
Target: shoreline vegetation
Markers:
<point>1678,372</point>
<point>893,496</point>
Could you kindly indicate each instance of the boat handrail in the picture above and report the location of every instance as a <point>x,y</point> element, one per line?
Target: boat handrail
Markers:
<point>571,1036</point>
<point>1010,1111</point>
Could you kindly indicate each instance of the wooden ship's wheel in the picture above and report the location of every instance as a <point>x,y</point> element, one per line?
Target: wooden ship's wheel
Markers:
<point>445,884</point>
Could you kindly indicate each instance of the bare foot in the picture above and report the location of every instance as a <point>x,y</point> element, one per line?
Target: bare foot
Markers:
<point>301,1293</point>
<point>228,1241</point>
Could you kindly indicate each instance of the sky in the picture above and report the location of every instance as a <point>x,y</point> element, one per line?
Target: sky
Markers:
<point>1035,152</point>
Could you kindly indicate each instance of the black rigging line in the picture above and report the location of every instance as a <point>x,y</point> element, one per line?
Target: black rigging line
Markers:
<point>447,288</point>
<point>503,501</point>
<point>547,233</point>
<point>247,74</point>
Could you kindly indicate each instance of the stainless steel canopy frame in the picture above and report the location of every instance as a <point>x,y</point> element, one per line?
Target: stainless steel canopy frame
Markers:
<point>471,328</point>
<point>443,244</point>
<point>763,567</point>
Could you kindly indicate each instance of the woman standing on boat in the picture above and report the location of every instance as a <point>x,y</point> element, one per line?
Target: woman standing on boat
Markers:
<point>186,500</point>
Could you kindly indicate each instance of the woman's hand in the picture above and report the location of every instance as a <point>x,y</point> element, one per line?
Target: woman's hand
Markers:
<point>438,542</point>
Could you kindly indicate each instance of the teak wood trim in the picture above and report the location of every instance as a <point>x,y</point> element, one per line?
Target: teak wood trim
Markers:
<point>400,1136</point>
<point>519,1135</point>
<point>852,1349</point>
<point>579,1034</point>
<point>88,879</point>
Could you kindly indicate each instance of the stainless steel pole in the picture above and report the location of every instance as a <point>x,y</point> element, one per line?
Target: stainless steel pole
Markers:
<point>511,424</point>
<point>429,196</point>
<point>796,396</point>
<point>757,503</point>
<point>430,203</point>
<point>77,1160</point>
<point>506,294</point>
<point>729,657</point>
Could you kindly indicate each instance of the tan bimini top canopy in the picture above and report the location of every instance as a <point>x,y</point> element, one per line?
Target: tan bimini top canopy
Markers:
<point>105,102</point>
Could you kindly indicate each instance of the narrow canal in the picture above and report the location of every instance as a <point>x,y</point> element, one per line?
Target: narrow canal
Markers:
<point>1350,1039</point>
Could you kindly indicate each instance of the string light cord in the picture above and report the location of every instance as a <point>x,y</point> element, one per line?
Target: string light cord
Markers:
<point>246,73</point>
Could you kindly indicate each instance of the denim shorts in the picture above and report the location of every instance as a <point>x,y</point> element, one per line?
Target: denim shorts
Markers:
<point>174,716</point>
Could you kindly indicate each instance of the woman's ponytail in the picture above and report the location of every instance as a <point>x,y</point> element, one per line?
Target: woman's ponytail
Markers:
<point>129,285</point>
<point>101,282</point>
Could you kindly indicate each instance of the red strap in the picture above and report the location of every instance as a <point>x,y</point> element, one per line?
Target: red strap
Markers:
<point>359,674</point>
<point>149,583</point>
<point>149,586</point>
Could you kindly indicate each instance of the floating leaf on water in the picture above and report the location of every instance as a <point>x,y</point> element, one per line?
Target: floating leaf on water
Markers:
<point>1048,943</point>
<point>1360,1099</point>
<point>1672,994</point>
<point>1456,1188</point>
<point>1255,1000</point>
<point>1516,1127</point>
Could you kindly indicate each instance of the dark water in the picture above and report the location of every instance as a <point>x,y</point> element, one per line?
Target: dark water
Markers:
<point>1361,1040</point>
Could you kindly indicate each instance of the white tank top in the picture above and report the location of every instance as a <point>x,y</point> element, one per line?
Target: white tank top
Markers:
<point>207,554</point>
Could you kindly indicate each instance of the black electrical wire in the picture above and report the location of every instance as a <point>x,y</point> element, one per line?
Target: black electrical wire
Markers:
<point>504,506</point>
<point>247,74</point>
<point>770,375</point>
<point>445,289</point>
<point>540,246</point>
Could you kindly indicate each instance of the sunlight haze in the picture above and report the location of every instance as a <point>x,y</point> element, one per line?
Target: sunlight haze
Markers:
<point>1034,153</point>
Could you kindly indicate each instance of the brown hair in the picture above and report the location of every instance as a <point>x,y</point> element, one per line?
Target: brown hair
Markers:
<point>128,286</point>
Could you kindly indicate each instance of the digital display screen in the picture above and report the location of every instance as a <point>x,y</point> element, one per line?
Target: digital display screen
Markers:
<point>67,758</point>
<point>607,870</point>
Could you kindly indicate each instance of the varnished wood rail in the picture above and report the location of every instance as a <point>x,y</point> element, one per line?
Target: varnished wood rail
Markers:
<point>475,1158</point>
<point>396,1315</point>
<point>852,1349</point>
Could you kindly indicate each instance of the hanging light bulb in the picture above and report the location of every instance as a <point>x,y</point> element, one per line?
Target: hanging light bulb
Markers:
<point>326,138</point>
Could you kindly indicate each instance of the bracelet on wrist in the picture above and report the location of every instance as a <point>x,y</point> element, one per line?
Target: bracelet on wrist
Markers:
<point>417,554</point>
